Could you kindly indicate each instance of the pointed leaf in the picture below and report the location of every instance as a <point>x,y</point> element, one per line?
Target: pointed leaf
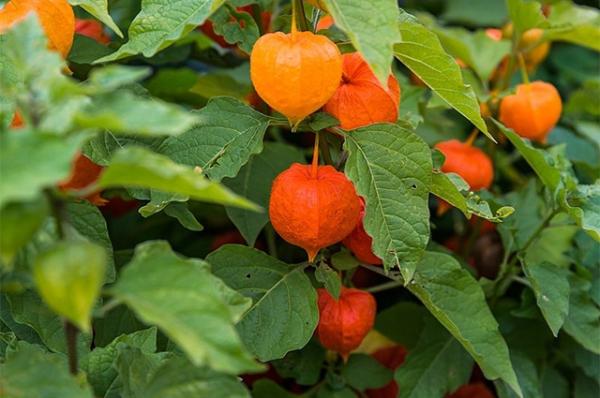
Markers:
<point>190,305</point>
<point>284,313</point>
<point>99,9</point>
<point>391,169</point>
<point>420,50</point>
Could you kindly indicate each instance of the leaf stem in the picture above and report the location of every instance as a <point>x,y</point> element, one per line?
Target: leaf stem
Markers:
<point>385,286</point>
<point>57,207</point>
<point>71,336</point>
<point>315,159</point>
<point>299,22</point>
<point>472,137</point>
<point>523,68</point>
<point>325,152</point>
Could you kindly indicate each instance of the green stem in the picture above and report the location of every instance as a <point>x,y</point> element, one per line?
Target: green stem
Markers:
<point>299,17</point>
<point>523,68</point>
<point>57,207</point>
<point>325,152</point>
<point>385,286</point>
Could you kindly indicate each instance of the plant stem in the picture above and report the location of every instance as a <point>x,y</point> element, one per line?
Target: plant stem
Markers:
<point>378,270</point>
<point>385,286</point>
<point>472,137</point>
<point>523,68</point>
<point>299,22</point>
<point>57,207</point>
<point>71,336</point>
<point>539,229</point>
<point>315,159</point>
<point>325,152</point>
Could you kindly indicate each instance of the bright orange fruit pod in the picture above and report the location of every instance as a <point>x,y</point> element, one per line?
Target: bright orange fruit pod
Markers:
<point>344,323</point>
<point>92,29</point>
<point>325,22</point>
<point>295,73</point>
<point>533,111</point>
<point>360,243</point>
<point>360,99</point>
<point>84,173</point>
<point>56,17</point>
<point>469,162</point>
<point>313,211</point>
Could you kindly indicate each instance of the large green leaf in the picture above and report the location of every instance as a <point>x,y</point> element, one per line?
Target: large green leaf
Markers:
<point>363,372</point>
<point>254,183</point>
<point>575,24</point>
<point>420,50</point>
<point>123,113</point>
<point>284,313</point>
<point>28,309</point>
<point>99,9</point>
<point>31,161</point>
<point>227,134</point>
<point>191,306</point>
<point>178,378</point>
<point>458,302</point>
<point>524,15</point>
<point>31,372</point>
<point>438,364</point>
<point>477,50</point>
<point>528,376</point>
<point>89,222</point>
<point>99,364</point>
<point>149,34</point>
<point>69,277</point>
<point>391,169</point>
<point>20,221</point>
<point>371,27</point>
<point>583,320</point>
<point>138,167</point>
<point>551,287</point>
<point>405,333</point>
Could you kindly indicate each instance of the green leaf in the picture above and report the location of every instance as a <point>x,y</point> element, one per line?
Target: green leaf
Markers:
<point>585,387</point>
<point>484,13</point>
<point>148,34</point>
<point>109,78</point>
<point>436,365</point>
<point>551,287</point>
<point>135,368</point>
<point>120,320</point>
<point>191,306</point>
<point>182,213</point>
<point>371,27</point>
<point>391,169</point>
<point>477,50</point>
<point>402,322</point>
<point>583,319</point>
<point>228,133</point>
<point>554,384</point>
<point>123,113</point>
<point>265,388</point>
<point>583,205</point>
<point>524,15</point>
<point>236,27</point>
<point>28,309</point>
<point>30,372</point>
<point>574,24</point>
<point>31,161</point>
<point>138,167</point>
<point>329,278</point>
<point>254,182</point>
<point>89,222</point>
<point>420,50</point>
<point>178,378</point>
<point>527,375</point>
<point>20,221</point>
<point>304,366</point>
<point>552,245</point>
<point>284,313</point>
<point>99,364</point>
<point>448,187</point>
<point>98,9</point>
<point>344,260</point>
<point>457,301</point>
<point>363,371</point>
<point>69,277</point>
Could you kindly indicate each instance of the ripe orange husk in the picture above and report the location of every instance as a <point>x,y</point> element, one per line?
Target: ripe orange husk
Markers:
<point>360,243</point>
<point>56,17</point>
<point>390,357</point>
<point>360,100</point>
<point>17,121</point>
<point>92,29</point>
<point>344,323</point>
<point>84,173</point>
<point>469,162</point>
<point>474,390</point>
<point>533,111</point>
<point>313,212</point>
<point>295,73</point>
